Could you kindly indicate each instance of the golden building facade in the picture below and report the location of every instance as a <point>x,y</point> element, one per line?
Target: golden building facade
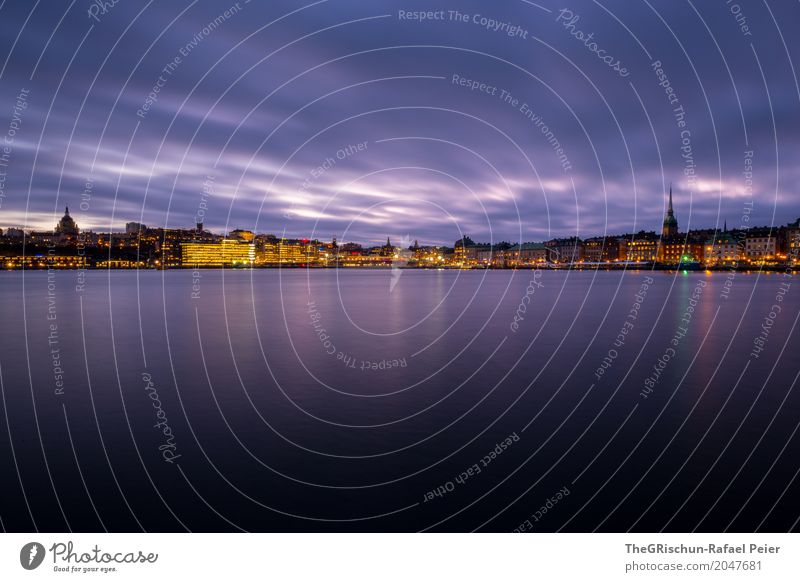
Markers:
<point>225,253</point>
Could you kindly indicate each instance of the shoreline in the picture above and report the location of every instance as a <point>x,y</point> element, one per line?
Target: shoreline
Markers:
<point>636,268</point>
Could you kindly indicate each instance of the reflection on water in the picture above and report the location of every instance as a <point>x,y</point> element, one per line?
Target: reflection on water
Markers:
<point>328,400</point>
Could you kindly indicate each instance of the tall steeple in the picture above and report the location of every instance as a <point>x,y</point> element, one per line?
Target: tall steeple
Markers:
<point>670,226</point>
<point>671,213</point>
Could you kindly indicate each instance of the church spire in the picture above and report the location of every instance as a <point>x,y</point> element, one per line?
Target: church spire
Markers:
<point>670,226</point>
<point>670,197</point>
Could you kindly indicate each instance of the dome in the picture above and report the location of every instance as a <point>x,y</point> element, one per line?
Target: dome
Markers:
<point>66,225</point>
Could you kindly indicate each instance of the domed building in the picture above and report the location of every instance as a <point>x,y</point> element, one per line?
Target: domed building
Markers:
<point>66,227</point>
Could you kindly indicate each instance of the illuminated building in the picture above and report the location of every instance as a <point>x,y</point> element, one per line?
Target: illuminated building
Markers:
<point>760,246</point>
<point>360,260</point>
<point>225,253</point>
<point>171,241</point>
<point>680,250</point>
<point>601,249</point>
<point>527,254</point>
<point>44,261</point>
<point>674,249</point>
<point>723,250</point>
<point>642,247</point>
<point>564,251</point>
<point>792,244</point>
<point>120,264</point>
<point>422,256</point>
<point>273,251</point>
<point>245,235</point>
<point>66,227</point>
<point>486,256</point>
<point>388,249</point>
<point>464,252</point>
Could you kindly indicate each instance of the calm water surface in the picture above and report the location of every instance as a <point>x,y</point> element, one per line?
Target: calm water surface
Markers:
<point>326,400</point>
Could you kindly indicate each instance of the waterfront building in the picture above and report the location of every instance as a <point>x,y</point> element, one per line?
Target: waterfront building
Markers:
<point>44,261</point>
<point>120,264</point>
<point>224,253</point>
<point>464,252</point>
<point>170,245</point>
<point>527,255</point>
<point>761,246</point>
<point>679,250</point>
<point>641,247</point>
<point>565,251</point>
<point>489,255</point>
<point>601,249</point>
<point>427,256</point>
<point>271,250</point>
<point>724,249</point>
<point>792,244</point>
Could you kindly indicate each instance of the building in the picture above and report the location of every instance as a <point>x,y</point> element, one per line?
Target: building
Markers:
<point>245,235</point>
<point>565,251</point>
<point>271,250</point>
<point>427,256</point>
<point>723,250</point>
<point>387,250</point>
<point>44,261</point>
<point>601,249</point>
<point>464,252</point>
<point>491,255</point>
<point>66,227</point>
<point>760,246</point>
<point>791,244</point>
<point>669,229</point>
<point>641,247</point>
<point>675,251</point>
<point>134,228</point>
<point>224,253</point>
<point>527,255</point>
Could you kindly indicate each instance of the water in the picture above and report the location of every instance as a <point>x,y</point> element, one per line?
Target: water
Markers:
<point>378,400</point>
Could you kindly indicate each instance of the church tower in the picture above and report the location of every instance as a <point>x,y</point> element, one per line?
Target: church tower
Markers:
<point>670,227</point>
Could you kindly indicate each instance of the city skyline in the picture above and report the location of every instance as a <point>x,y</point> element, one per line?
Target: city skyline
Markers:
<point>669,228</point>
<point>141,246</point>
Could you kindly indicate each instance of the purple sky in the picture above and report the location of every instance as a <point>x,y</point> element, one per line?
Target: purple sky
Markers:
<point>262,106</point>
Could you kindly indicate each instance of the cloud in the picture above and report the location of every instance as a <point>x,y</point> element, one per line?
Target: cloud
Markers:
<point>261,108</point>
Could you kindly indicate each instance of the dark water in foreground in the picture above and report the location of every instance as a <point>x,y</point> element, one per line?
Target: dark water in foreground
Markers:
<point>334,401</point>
